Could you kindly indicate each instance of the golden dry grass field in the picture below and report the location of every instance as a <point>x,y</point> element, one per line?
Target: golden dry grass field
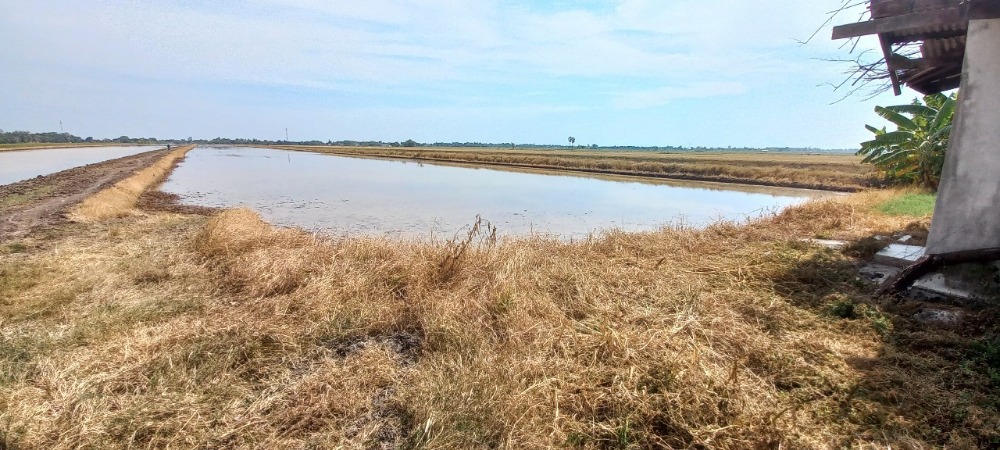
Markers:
<point>831,172</point>
<point>160,330</point>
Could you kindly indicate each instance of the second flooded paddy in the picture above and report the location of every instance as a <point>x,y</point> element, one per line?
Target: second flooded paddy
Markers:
<point>24,164</point>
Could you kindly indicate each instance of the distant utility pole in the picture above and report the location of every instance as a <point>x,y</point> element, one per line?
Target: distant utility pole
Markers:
<point>60,126</point>
<point>286,134</point>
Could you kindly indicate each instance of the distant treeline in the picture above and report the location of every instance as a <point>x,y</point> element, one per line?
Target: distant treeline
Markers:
<point>24,137</point>
<point>637,148</point>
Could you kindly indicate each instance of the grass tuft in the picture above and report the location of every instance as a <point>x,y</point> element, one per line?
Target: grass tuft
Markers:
<point>254,257</point>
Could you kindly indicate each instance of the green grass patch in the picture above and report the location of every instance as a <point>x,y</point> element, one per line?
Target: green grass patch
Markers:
<point>12,248</point>
<point>912,205</point>
<point>16,278</point>
<point>984,358</point>
<point>20,199</point>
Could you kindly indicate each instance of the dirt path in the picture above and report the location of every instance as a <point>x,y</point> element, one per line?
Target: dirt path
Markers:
<point>44,201</point>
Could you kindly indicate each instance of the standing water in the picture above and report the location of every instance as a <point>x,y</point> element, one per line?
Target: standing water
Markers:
<point>21,165</point>
<point>346,196</point>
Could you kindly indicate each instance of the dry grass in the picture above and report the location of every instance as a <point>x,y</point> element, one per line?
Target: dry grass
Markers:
<point>186,332</point>
<point>833,172</point>
<point>120,199</point>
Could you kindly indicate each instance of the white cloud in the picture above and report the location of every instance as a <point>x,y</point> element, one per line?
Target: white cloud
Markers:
<point>314,43</point>
<point>471,55</point>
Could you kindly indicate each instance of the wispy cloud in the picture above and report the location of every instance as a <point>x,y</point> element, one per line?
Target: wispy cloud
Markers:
<point>316,42</point>
<point>625,54</point>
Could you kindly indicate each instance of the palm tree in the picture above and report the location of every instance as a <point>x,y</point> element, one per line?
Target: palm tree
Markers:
<point>914,153</point>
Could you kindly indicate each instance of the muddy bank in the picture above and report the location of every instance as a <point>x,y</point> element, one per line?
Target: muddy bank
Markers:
<point>44,201</point>
<point>154,200</point>
<point>727,169</point>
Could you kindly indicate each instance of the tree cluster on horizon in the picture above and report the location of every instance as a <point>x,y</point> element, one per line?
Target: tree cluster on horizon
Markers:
<point>51,137</point>
<point>26,137</point>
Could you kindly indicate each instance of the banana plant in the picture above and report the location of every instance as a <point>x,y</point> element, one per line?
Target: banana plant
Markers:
<point>914,152</point>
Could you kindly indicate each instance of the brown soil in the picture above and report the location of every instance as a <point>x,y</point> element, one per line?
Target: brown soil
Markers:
<point>155,200</point>
<point>821,172</point>
<point>44,201</point>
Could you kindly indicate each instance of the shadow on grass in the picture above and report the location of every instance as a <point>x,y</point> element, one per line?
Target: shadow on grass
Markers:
<point>931,384</point>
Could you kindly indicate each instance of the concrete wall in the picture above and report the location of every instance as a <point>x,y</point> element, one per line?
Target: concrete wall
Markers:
<point>967,215</point>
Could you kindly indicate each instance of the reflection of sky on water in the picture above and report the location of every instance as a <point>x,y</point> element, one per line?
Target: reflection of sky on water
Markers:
<point>24,164</point>
<point>366,196</point>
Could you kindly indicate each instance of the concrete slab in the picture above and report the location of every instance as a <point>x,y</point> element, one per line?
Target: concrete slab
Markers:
<point>962,282</point>
<point>899,255</point>
<point>939,285</point>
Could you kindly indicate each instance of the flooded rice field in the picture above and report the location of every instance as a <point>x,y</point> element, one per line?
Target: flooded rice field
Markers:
<point>351,196</point>
<point>24,164</point>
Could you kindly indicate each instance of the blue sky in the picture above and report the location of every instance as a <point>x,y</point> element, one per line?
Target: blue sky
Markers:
<point>625,72</point>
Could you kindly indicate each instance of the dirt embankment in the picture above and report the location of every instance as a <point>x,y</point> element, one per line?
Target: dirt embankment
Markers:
<point>122,198</point>
<point>822,172</point>
<point>45,200</point>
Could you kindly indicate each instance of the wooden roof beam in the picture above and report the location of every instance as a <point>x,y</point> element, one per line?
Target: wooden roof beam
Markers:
<point>900,62</point>
<point>889,8</point>
<point>896,23</point>
<point>944,33</point>
<point>970,10</point>
<point>887,54</point>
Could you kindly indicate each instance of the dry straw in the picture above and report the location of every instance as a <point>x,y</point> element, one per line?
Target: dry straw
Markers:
<point>169,331</point>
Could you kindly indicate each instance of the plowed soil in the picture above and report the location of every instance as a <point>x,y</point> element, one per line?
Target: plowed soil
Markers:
<point>44,201</point>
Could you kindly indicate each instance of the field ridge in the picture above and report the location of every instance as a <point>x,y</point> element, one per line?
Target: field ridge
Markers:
<point>842,173</point>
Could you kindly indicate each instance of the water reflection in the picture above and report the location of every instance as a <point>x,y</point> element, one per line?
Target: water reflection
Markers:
<point>24,164</point>
<point>344,196</point>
